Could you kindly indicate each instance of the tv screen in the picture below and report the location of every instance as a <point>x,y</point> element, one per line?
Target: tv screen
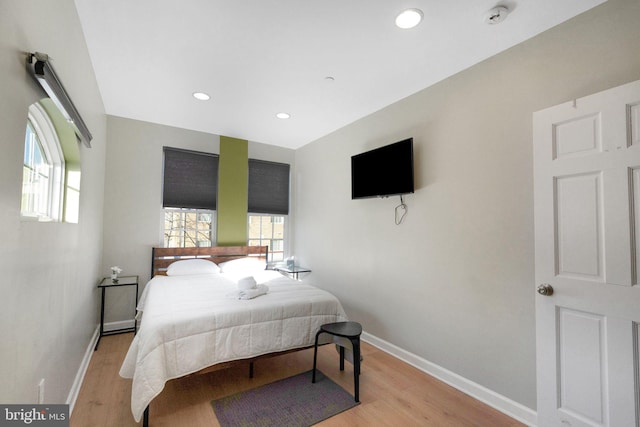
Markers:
<point>385,171</point>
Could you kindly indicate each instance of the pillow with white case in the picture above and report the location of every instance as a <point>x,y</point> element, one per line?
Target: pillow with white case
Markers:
<point>246,265</point>
<point>189,267</point>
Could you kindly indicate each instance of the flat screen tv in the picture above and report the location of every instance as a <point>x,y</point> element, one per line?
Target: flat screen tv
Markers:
<point>385,171</point>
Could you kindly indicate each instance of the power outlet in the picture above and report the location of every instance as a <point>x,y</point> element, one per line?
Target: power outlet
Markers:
<point>41,392</point>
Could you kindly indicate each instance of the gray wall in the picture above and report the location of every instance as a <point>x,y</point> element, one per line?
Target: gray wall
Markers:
<point>133,195</point>
<point>454,284</point>
<point>48,295</point>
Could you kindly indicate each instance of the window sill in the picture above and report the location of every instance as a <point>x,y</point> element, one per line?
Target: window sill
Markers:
<point>35,218</point>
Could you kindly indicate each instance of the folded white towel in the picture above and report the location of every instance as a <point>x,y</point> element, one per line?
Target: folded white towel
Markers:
<point>252,293</point>
<point>247,283</point>
<point>249,293</point>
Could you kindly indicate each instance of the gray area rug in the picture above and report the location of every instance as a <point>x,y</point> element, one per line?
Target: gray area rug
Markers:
<point>292,402</point>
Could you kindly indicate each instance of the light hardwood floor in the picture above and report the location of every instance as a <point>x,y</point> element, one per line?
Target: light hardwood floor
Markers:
<point>392,393</point>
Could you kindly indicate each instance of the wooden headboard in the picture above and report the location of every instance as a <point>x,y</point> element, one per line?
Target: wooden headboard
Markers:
<point>162,257</point>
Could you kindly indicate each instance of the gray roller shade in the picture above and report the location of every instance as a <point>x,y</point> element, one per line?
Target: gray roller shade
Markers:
<point>190,179</point>
<point>268,187</point>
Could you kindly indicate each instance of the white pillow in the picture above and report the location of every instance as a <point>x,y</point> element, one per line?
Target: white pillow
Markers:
<point>243,265</point>
<point>192,266</point>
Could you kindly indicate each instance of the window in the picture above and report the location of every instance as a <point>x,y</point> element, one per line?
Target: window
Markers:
<point>268,206</point>
<point>190,179</point>
<point>43,168</point>
<point>189,198</point>
<point>268,187</point>
<point>268,230</point>
<point>188,228</point>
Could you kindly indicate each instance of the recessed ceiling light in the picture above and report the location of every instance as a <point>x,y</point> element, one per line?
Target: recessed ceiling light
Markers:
<point>409,18</point>
<point>283,115</point>
<point>201,96</point>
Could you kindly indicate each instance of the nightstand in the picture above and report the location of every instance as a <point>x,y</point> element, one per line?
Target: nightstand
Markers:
<point>105,283</point>
<point>293,271</point>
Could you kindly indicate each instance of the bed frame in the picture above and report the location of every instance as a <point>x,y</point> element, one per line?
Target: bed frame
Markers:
<point>163,257</point>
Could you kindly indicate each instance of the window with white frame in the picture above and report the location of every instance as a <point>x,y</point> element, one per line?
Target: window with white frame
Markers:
<point>268,202</point>
<point>189,228</point>
<point>268,230</point>
<point>189,198</point>
<point>43,169</point>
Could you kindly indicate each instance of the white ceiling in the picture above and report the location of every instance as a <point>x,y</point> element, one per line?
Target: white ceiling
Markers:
<point>260,57</point>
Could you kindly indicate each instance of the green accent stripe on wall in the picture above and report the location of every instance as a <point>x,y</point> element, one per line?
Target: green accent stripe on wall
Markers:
<point>233,172</point>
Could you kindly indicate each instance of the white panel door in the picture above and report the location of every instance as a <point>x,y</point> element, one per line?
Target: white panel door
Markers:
<point>587,227</point>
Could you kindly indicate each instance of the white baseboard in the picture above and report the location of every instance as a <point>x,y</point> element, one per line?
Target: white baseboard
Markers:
<point>121,324</point>
<point>84,365</point>
<point>497,401</point>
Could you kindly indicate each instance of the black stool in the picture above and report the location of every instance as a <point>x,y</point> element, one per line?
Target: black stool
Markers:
<point>351,331</point>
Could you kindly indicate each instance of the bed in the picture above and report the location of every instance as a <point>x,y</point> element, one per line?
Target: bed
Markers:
<point>192,317</point>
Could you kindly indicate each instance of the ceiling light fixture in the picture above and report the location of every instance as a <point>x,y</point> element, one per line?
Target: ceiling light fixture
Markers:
<point>409,18</point>
<point>283,115</point>
<point>201,96</point>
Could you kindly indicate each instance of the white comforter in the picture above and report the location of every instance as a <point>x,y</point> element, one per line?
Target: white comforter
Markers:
<point>190,323</point>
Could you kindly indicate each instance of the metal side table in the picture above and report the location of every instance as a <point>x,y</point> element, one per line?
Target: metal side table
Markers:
<point>105,283</point>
